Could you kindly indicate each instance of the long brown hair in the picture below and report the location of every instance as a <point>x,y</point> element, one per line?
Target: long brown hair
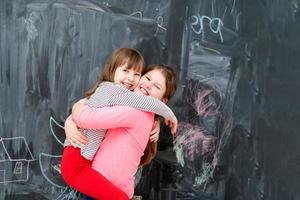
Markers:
<point>171,85</point>
<point>132,57</point>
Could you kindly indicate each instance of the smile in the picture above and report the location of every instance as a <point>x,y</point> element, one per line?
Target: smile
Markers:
<point>144,91</point>
<point>127,85</point>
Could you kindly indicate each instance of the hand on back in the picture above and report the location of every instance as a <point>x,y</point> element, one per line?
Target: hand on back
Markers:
<point>172,123</point>
<point>154,135</point>
<point>73,135</point>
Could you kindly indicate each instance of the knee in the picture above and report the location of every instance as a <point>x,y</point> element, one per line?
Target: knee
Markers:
<point>65,172</point>
<point>67,169</point>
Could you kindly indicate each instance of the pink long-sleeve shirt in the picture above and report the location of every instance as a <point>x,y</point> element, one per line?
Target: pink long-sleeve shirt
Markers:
<point>112,94</point>
<point>128,133</point>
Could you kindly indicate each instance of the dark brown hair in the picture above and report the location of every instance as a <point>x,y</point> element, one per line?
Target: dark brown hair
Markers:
<point>132,57</point>
<point>149,153</point>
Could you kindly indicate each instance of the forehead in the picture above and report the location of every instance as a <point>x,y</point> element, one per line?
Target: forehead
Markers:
<point>136,66</point>
<point>157,76</point>
<point>126,65</point>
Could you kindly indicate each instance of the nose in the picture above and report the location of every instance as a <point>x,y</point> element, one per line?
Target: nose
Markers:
<point>149,85</point>
<point>130,77</point>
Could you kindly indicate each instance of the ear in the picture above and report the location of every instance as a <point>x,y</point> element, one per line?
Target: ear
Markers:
<point>165,100</point>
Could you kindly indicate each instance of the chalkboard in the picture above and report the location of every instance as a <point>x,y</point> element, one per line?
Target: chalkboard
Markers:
<point>237,101</point>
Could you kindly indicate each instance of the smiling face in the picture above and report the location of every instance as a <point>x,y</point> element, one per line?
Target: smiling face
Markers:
<point>128,77</point>
<point>153,84</point>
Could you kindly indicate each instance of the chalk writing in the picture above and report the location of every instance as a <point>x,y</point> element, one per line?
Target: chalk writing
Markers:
<point>139,14</point>
<point>53,123</point>
<point>160,22</point>
<point>159,19</point>
<point>215,25</point>
<point>206,101</point>
<point>178,148</point>
<point>233,7</point>
<point>30,27</point>
<point>202,105</point>
<point>44,156</point>
<point>192,142</point>
<point>19,162</point>
<point>44,161</point>
<point>205,174</point>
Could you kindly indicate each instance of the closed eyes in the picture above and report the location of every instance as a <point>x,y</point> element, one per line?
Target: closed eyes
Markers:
<point>155,84</point>
<point>158,87</point>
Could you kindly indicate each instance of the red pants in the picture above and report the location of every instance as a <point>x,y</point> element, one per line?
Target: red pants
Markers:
<point>78,173</point>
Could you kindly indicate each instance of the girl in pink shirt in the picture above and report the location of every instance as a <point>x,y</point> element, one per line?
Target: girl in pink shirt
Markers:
<point>71,158</point>
<point>128,130</point>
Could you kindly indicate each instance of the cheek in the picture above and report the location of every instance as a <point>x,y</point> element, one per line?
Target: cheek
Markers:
<point>161,94</point>
<point>137,80</point>
<point>158,94</point>
<point>116,76</point>
<point>117,80</point>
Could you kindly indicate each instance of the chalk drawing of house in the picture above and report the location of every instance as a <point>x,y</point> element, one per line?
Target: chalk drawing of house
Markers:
<point>15,157</point>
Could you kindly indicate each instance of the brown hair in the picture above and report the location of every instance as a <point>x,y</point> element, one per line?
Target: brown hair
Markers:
<point>149,153</point>
<point>169,74</point>
<point>171,85</point>
<point>132,57</point>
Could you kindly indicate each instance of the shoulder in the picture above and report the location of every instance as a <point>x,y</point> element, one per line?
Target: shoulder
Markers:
<point>111,87</point>
<point>108,84</point>
<point>141,120</point>
<point>133,112</point>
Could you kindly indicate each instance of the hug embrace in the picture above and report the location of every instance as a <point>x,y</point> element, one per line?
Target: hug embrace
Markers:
<point>114,130</point>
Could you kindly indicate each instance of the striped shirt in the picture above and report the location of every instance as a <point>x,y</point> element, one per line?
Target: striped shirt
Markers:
<point>112,94</point>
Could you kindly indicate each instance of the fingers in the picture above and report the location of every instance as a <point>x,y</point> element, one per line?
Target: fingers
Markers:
<point>174,129</point>
<point>77,140</point>
<point>167,122</point>
<point>172,125</point>
<point>154,135</point>
<point>74,136</point>
<point>82,138</point>
<point>72,142</point>
<point>153,139</point>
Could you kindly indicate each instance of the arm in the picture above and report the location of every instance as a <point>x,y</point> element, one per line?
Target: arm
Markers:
<point>108,117</point>
<point>104,118</point>
<point>73,135</point>
<point>110,94</point>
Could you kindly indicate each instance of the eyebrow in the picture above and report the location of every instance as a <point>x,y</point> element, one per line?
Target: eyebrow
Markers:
<point>154,81</point>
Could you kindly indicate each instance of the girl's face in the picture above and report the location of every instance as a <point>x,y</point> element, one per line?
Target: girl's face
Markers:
<point>153,84</point>
<point>127,77</point>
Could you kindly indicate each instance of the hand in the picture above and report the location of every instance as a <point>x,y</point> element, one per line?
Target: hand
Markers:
<point>154,135</point>
<point>73,135</point>
<point>172,123</point>
<point>78,106</point>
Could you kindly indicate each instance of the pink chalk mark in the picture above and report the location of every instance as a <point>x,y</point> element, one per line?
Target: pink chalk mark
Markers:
<point>195,141</point>
<point>202,106</point>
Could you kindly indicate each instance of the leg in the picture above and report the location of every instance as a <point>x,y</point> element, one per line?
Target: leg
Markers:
<point>78,173</point>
